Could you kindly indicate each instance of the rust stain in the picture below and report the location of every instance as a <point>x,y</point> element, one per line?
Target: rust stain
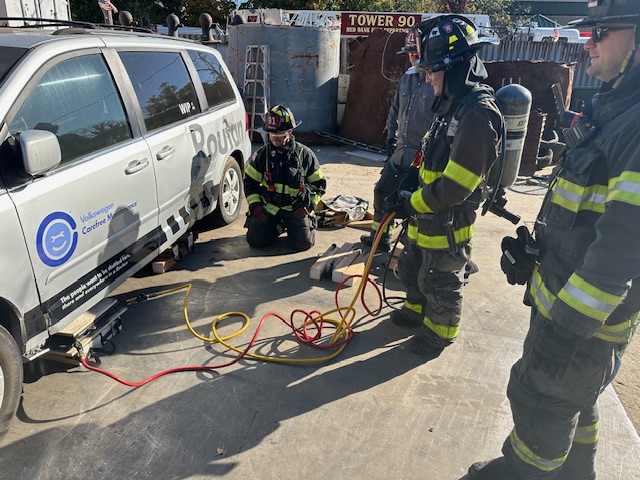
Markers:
<point>309,58</point>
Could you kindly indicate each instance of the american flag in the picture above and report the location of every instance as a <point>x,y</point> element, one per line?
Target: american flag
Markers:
<point>107,6</point>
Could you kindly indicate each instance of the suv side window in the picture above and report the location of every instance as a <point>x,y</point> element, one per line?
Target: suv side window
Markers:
<point>77,100</point>
<point>163,87</point>
<point>216,85</point>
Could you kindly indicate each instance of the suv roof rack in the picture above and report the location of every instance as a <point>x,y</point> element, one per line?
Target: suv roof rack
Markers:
<point>72,23</point>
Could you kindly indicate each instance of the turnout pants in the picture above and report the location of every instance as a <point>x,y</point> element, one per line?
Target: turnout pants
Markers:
<point>301,233</point>
<point>555,432</point>
<point>433,280</point>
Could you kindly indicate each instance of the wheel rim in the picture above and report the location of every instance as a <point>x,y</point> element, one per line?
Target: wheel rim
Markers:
<point>230,192</point>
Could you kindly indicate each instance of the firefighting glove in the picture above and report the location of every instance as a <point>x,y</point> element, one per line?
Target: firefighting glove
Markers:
<point>259,213</point>
<point>390,147</point>
<point>300,212</point>
<point>518,257</point>
<point>553,350</point>
<point>402,209</point>
<point>409,183</point>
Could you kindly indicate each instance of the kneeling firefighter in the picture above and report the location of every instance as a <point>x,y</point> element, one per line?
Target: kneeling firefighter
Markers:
<point>283,184</point>
<point>443,191</point>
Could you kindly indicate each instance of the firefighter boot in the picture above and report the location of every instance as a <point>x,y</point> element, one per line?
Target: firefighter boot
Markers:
<point>383,246</point>
<point>399,318</point>
<point>496,469</point>
<point>426,342</point>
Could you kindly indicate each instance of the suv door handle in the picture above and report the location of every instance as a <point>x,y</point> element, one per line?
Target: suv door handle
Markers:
<point>136,166</point>
<point>165,152</point>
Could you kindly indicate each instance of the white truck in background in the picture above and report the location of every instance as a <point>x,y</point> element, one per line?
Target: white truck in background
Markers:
<point>534,33</point>
<point>53,9</point>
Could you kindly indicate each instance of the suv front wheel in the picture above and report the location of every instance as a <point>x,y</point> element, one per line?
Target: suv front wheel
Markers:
<point>11,375</point>
<point>230,194</point>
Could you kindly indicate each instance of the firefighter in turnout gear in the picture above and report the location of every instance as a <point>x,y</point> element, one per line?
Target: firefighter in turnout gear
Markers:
<point>441,193</point>
<point>283,184</point>
<point>408,118</point>
<point>584,285</point>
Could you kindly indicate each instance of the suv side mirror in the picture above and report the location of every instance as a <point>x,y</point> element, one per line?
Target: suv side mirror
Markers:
<point>40,151</point>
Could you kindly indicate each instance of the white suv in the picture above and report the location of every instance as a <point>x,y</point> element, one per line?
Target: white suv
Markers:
<point>112,144</point>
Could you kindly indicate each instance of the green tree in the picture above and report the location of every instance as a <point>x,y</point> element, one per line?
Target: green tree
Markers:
<point>503,13</point>
<point>218,9</point>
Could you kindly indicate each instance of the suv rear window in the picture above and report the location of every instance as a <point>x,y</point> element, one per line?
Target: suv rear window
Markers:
<point>162,85</point>
<point>216,85</point>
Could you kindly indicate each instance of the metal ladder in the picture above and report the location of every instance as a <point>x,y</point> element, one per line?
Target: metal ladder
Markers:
<point>256,85</point>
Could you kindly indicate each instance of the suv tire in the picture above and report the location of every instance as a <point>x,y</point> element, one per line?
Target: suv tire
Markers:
<point>230,194</point>
<point>11,375</point>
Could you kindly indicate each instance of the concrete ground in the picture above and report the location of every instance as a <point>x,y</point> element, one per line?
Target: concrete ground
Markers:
<point>377,411</point>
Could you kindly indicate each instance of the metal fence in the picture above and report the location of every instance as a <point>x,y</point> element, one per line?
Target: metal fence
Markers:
<point>546,51</point>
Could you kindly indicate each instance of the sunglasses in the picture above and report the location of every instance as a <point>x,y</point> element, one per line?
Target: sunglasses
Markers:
<point>598,33</point>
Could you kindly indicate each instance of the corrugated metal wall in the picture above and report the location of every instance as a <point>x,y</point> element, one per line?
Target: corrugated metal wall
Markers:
<point>549,52</point>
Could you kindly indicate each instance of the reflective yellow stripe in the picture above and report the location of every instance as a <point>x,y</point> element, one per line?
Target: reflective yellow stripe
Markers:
<point>429,176</point>
<point>443,331</point>
<point>462,175</point>
<point>439,242</point>
<point>588,299</point>
<point>453,39</point>
<point>254,198</point>
<point>542,297</point>
<point>625,188</point>
<point>620,333</point>
<point>414,307</point>
<point>587,435</point>
<point>527,456</point>
<point>418,204</point>
<point>315,176</point>
<point>271,208</point>
<point>575,198</point>
<point>253,173</point>
<point>390,227</point>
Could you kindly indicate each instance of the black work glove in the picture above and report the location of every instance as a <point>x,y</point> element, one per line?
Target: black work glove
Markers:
<point>410,181</point>
<point>390,147</point>
<point>402,209</point>
<point>259,213</point>
<point>518,257</point>
<point>553,350</point>
<point>301,212</point>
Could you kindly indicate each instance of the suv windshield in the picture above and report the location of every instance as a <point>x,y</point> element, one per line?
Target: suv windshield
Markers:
<point>9,56</point>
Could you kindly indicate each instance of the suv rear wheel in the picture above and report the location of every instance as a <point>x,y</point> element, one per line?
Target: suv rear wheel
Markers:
<point>230,194</point>
<point>10,379</point>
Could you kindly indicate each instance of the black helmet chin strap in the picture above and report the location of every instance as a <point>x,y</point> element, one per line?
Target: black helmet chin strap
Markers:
<point>442,103</point>
<point>627,63</point>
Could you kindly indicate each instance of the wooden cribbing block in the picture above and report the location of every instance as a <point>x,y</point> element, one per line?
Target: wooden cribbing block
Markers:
<point>337,274</point>
<point>319,268</point>
<point>355,268</point>
<point>396,255</point>
<point>326,262</point>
